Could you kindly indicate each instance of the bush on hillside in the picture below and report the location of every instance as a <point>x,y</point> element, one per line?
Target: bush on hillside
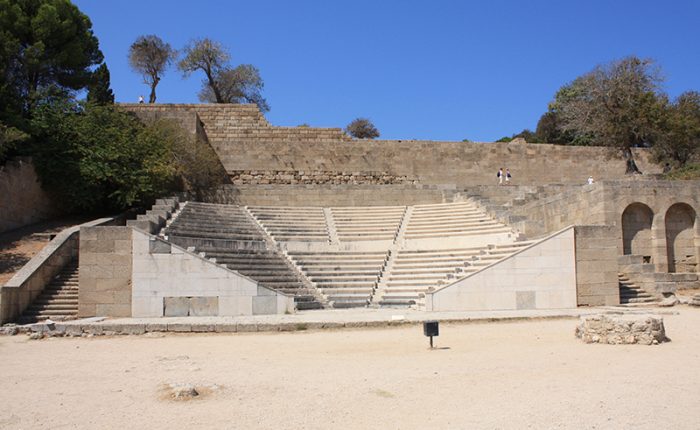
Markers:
<point>99,158</point>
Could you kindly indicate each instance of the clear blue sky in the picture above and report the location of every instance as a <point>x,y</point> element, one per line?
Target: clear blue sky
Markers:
<point>442,70</point>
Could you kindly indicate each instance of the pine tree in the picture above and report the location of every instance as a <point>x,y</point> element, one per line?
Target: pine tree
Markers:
<point>98,90</point>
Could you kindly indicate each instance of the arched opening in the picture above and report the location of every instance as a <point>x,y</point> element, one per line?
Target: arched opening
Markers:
<point>680,238</point>
<point>636,229</point>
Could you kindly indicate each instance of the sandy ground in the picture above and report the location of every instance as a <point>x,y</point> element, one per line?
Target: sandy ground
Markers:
<point>18,246</point>
<point>531,374</point>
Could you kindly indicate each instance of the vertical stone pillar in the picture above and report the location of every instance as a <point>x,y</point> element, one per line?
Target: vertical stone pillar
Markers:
<point>659,252</point>
<point>105,272</point>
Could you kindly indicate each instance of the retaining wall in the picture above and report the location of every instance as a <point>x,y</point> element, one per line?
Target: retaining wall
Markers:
<point>22,200</point>
<point>245,141</point>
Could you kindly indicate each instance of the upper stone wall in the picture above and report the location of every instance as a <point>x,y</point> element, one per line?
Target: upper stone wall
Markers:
<point>246,143</point>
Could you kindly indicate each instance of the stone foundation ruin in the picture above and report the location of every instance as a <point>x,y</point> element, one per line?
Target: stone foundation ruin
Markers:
<point>622,329</point>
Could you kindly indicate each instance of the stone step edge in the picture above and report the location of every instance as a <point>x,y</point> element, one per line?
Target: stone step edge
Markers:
<point>109,329</point>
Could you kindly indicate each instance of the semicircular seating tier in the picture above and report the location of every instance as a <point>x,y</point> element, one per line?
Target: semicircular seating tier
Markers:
<point>347,256</point>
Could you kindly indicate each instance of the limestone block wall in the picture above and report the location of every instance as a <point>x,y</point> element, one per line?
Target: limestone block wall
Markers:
<point>596,265</point>
<point>22,200</point>
<point>105,272</point>
<point>245,141</point>
<point>170,281</point>
<point>541,276</point>
<point>335,195</point>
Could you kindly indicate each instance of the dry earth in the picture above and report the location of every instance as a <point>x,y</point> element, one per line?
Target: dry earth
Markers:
<point>531,374</point>
<point>18,246</point>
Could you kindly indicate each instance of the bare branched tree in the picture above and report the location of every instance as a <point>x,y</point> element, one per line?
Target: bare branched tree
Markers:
<point>150,56</point>
<point>242,84</point>
<point>211,58</point>
<point>617,104</point>
<point>362,128</point>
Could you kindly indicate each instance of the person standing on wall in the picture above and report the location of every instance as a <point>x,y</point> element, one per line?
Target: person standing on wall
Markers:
<point>508,176</point>
<point>499,175</point>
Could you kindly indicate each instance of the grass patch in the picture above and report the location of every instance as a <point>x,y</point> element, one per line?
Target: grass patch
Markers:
<point>688,172</point>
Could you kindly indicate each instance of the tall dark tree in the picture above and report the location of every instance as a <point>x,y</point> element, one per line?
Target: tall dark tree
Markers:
<point>242,84</point>
<point>208,56</point>
<point>617,104</point>
<point>150,56</point>
<point>43,44</point>
<point>362,128</point>
<point>679,142</point>
<point>99,91</point>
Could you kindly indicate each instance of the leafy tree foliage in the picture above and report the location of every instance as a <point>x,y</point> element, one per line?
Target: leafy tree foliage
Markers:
<point>241,84</point>
<point>617,104</point>
<point>197,166</point>
<point>9,138</point>
<point>99,158</point>
<point>208,56</point>
<point>150,56</point>
<point>43,43</point>
<point>679,141</point>
<point>362,128</point>
<point>99,91</point>
<point>222,83</point>
<point>526,134</point>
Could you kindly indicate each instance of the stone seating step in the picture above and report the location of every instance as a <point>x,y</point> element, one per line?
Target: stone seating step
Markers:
<point>397,303</point>
<point>417,283</point>
<point>426,266</point>
<point>332,271</point>
<point>212,230</point>
<point>500,230</point>
<point>213,235</point>
<point>353,290</point>
<point>346,284</point>
<point>437,260</point>
<point>364,238</point>
<point>456,228</point>
<point>326,279</point>
<point>346,303</point>
<point>352,265</point>
<point>400,276</point>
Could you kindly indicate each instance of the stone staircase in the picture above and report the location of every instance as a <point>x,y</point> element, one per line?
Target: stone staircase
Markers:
<point>411,273</point>
<point>347,257</point>
<point>631,294</point>
<point>304,224</point>
<point>347,279</point>
<point>375,223</point>
<point>58,300</point>
<point>227,234</point>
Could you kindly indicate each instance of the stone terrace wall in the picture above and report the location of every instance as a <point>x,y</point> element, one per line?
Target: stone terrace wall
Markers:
<point>22,201</point>
<point>245,141</point>
<point>334,195</point>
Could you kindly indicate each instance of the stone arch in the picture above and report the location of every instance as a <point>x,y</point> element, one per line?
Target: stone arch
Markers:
<point>637,220</point>
<point>681,221</point>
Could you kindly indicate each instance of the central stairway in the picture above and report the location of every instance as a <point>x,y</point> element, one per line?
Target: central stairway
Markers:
<point>347,257</point>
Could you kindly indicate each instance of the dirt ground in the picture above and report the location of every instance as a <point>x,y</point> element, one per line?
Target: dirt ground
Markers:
<point>18,246</point>
<point>531,374</point>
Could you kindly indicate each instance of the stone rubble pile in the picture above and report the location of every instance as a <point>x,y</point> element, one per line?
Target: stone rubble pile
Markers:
<point>622,329</point>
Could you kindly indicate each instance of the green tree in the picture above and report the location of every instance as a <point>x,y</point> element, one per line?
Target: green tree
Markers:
<point>208,56</point>
<point>99,158</point>
<point>99,91</point>
<point>9,138</point>
<point>150,56</point>
<point>362,128</point>
<point>617,104</point>
<point>679,142</point>
<point>43,43</point>
<point>241,84</point>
